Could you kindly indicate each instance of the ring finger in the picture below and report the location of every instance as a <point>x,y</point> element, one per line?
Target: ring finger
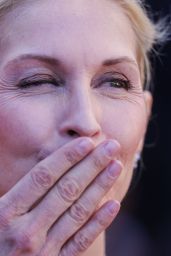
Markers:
<point>71,185</point>
<point>82,210</point>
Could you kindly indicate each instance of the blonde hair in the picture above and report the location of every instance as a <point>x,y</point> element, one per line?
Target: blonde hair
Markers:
<point>147,32</point>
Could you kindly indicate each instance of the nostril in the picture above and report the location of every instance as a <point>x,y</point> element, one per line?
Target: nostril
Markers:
<point>73,133</point>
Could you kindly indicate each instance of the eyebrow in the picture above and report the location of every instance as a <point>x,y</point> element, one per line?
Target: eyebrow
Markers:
<point>42,58</point>
<point>53,61</point>
<point>116,61</point>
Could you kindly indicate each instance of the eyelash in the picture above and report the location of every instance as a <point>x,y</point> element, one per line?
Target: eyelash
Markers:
<point>120,83</point>
<point>24,84</point>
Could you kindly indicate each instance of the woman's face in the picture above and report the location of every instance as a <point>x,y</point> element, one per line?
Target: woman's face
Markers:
<point>68,69</point>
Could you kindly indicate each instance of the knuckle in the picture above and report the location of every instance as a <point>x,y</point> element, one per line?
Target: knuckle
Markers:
<point>42,177</point>
<point>72,156</point>
<point>81,242</point>
<point>79,213</point>
<point>68,189</point>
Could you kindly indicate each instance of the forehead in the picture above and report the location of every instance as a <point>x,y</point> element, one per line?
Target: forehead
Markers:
<point>93,26</point>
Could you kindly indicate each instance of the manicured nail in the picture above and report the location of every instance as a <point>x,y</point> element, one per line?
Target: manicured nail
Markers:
<point>85,146</point>
<point>110,148</point>
<point>113,207</point>
<point>114,169</point>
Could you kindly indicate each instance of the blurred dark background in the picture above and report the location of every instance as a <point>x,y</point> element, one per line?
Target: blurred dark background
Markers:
<point>144,225</point>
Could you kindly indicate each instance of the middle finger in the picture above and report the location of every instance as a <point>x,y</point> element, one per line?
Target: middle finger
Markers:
<point>72,184</point>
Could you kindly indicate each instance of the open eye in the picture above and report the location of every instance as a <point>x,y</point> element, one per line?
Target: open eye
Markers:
<point>115,80</point>
<point>119,83</point>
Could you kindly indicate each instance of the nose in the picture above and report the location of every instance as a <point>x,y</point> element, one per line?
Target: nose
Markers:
<point>81,117</point>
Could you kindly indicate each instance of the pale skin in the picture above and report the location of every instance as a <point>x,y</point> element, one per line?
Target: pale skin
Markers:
<point>73,115</point>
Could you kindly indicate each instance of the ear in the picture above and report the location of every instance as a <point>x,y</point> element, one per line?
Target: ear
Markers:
<point>148,99</point>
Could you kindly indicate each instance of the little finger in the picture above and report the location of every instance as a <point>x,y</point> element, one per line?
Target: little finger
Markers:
<point>87,235</point>
<point>71,186</point>
<point>80,212</point>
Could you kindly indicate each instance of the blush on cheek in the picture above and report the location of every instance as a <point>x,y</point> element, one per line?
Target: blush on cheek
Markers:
<point>21,134</point>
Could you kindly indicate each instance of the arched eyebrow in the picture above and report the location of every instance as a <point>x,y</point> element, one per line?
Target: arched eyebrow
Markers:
<point>43,58</point>
<point>116,61</point>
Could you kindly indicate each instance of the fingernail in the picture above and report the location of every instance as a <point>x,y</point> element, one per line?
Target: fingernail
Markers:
<point>110,148</point>
<point>114,169</point>
<point>85,146</point>
<point>113,207</point>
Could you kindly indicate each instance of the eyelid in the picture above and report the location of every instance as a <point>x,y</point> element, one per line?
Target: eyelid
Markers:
<point>110,75</point>
<point>38,78</point>
<point>116,73</point>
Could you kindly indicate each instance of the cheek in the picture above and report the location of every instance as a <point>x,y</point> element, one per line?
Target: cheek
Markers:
<point>127,125</point>
<point>24,127</point>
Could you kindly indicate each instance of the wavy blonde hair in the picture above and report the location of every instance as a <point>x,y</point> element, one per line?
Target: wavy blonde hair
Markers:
<point>148,33</point>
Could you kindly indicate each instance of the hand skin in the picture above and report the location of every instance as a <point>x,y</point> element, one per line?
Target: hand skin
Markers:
<point>53,209</point>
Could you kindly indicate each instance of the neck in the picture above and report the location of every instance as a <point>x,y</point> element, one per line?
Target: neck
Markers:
<point>97,248</point>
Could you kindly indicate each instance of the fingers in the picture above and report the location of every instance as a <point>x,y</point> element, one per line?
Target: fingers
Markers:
<point>72,184</point>
<point>73,168</point>
<point>81,211</point>
<point>44,175</point>
<point>86,236</point>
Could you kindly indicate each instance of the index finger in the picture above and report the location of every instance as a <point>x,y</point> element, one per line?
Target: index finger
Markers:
<point>45,174</point>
